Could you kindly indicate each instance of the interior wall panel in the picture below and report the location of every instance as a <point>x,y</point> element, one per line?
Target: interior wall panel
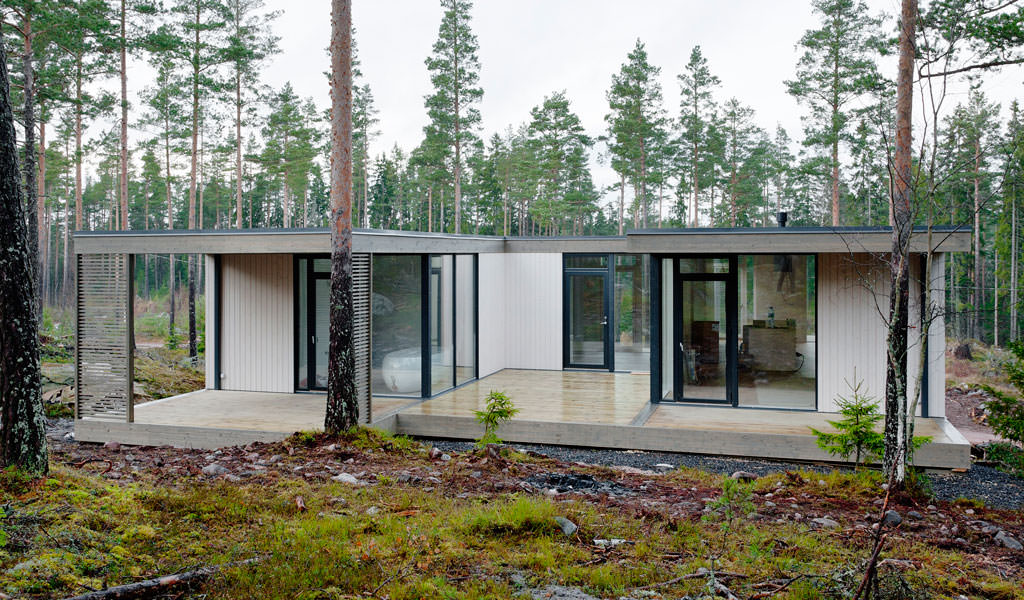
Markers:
<point>493,344</point>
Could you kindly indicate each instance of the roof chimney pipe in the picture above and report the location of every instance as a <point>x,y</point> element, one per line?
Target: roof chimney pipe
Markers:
<point>782,218</point>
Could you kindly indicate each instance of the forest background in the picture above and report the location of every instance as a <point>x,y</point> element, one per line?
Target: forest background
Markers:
<point>210,114</point>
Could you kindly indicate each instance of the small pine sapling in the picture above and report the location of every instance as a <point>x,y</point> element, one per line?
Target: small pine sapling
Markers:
<point>856,433</point>
<point>499,410</point>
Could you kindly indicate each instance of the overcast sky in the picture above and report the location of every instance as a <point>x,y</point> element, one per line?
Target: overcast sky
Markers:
<point>530,48</point>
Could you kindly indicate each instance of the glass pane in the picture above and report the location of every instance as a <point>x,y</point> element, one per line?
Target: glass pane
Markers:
<point>703,345</point>
<point>302,338</point>
<point>777,331</point>
<point>322,265</point>
<point>397,325</point>
<point>586,261</point>
<point>586,320</point>
<point>703,265</point>
<point>465,318</point>
<point>667,331</point>
<point>442,326</point>
<point>632,313</point>
<point>321,341</point>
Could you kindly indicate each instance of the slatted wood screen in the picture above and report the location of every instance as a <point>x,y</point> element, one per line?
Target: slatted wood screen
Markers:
<point>362,288</point>
<point>103,357</point>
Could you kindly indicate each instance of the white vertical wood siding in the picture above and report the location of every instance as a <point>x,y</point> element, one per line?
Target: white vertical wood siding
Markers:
<point>257,342</point>
<point>853,293</point>
<point>533,310</point>
<point>851,333</point>
<point>211,377</point>
<point>492,339</point>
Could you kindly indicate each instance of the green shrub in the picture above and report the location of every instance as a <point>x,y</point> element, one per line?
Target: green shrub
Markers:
<point>499,410</point>
<point>1005,412</point>
<point>856,434</point>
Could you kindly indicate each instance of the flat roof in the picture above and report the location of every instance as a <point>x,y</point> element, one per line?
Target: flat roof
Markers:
<point>754,240</point>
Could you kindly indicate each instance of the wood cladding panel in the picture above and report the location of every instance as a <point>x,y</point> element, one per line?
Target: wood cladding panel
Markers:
<point>362,278</point>
<point>533,311</point>
<point>257,332</point>
<point>103,359</point>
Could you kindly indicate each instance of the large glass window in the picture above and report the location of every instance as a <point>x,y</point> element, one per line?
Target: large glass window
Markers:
<point>442,324</point>
<point>397,325</point>
<point>632,336</point>
<point>778,323</point>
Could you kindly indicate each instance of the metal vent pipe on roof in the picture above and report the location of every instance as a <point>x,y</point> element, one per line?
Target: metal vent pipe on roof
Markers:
<point>782,217</point>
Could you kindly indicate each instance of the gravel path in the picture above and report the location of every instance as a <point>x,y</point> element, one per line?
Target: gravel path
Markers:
<point>996,488</point>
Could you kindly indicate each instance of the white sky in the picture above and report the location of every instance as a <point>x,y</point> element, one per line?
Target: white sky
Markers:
<point>530,48</point>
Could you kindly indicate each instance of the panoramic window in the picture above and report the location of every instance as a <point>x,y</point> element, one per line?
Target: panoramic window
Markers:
<point>397,325</point>
<point>777,346</point>
<point>632,336</point>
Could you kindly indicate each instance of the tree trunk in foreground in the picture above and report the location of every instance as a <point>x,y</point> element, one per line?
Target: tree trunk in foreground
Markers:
<point>22,435</point>
<point>895,459</point>
<point>342,409</point>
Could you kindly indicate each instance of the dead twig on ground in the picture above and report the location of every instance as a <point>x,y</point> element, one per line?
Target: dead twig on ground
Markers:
<point>161,585</point>
<point>110,465</point>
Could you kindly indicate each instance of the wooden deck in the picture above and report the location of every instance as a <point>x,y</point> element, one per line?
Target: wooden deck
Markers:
<point>594,409</point>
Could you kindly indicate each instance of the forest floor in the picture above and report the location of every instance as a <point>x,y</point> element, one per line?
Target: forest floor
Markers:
<point>368,515</point>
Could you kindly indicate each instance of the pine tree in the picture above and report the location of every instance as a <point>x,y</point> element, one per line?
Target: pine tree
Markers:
<point>249,43</point>
<point>836,68</point>
<point>561,148</point>
<point>454,118</point>
<point>696,119</point>
<point>22,431</point>
<point>636,124</point>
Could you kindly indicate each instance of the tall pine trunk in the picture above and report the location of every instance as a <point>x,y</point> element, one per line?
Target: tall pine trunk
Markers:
<point>895,457</point>
<point>123,173</point>
<point>193,350</point>
<point>979,265</point>
<point>22,432</point>
<point>342,409</point>
<point>29,168</point>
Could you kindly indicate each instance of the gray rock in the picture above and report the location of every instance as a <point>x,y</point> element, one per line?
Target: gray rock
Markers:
<point>913,514</point>
<point>1008,542</point>
<point>346,478</point>
<point>664,467</point>
<point>892,518</point>
<point>373,510</point>
<point>112,445</point>
<point>273,459</point>
<point>69,436</point>
<point>826,522</point>
<point>559,592</point>
<point>744,476</point>
<point>434,453</point>
<point>214,469</point>
<point>446,457</point>
<point>613,542</point>
<point>769,504</point>
<point>476,474</point>
<point>568,527</point>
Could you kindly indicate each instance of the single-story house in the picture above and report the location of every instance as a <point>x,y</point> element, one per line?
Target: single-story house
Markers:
<point>726,341</point>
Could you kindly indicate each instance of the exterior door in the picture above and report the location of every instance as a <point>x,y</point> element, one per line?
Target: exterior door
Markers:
<point>312,331</point>
<point>587,320</point>
<point>705,331</point>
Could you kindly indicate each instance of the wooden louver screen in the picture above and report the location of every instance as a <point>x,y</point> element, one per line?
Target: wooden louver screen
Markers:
<point>362,314</point>
<point>103,357</point>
